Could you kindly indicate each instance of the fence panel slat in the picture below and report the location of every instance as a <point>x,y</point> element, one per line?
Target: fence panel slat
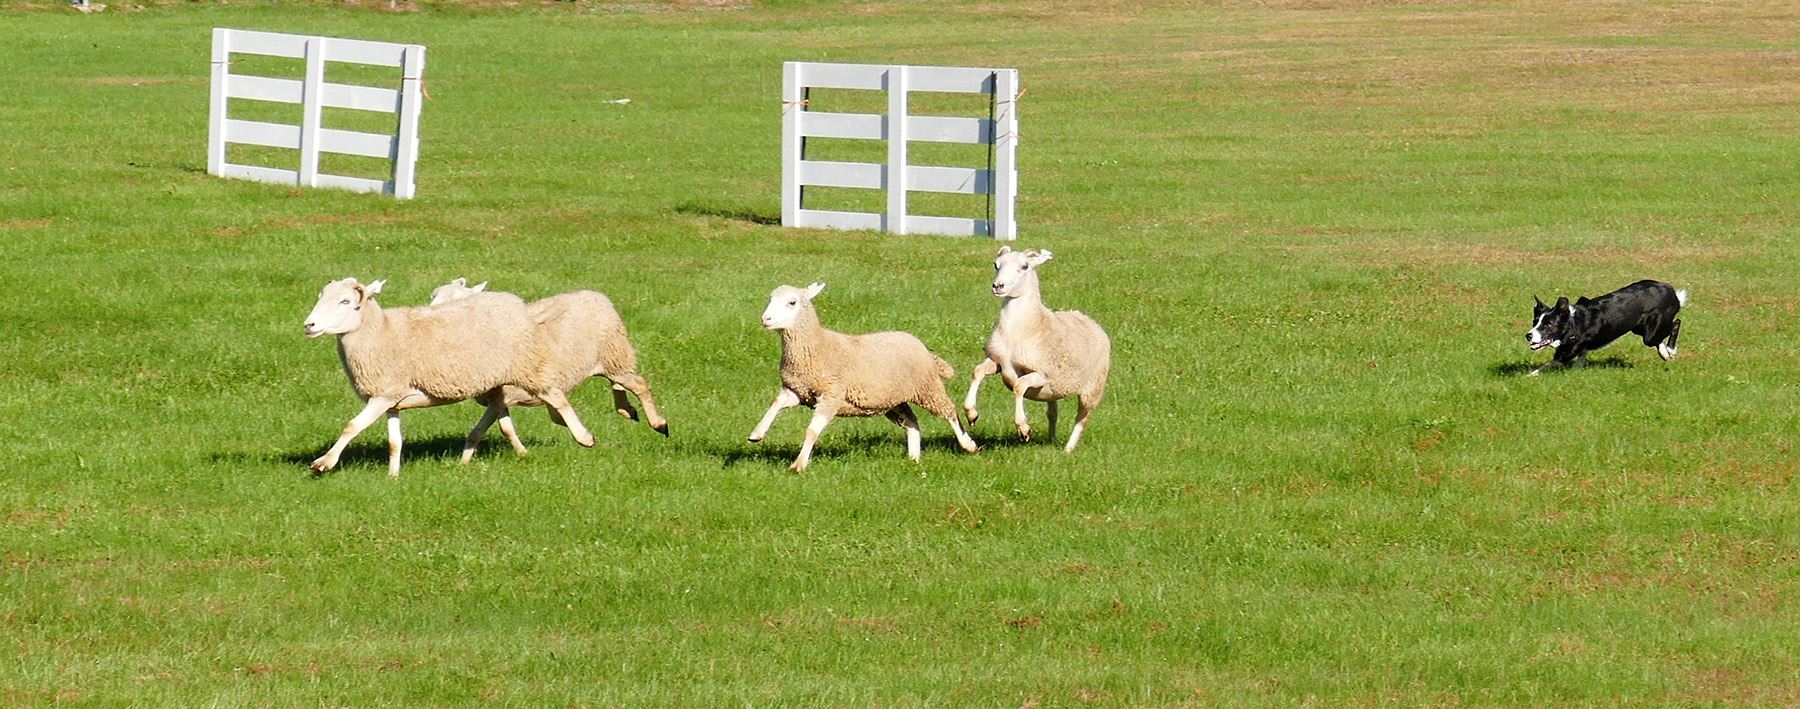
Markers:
<point>955,180</point>
<point>826,173</point>
<point>258,173</point>
<point>828,219</point>
<point>818,124</point>
<point>262,88</point>
<point>356,51</point>
<point>268,44</point>
<point>950,129</point>
<point>948,226</point>
<point>274,135</point>
<point>870,77</point>
<point>349,142</point>
<point>361,98</point>
<point>948,79</point>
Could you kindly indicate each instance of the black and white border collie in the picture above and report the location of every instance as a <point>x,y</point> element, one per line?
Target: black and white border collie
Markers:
<point>1645,308</point>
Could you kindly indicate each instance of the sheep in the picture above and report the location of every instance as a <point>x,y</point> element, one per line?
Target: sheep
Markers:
<point>1041,354</point>
<point>405,358</point>
<point>836,374</point>
<point>583,337</point>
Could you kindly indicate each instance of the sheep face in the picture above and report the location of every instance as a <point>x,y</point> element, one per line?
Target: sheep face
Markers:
<point>1012,269</point>
<point>339,309</point>
<point>785,303</point>
<point>455,290</point>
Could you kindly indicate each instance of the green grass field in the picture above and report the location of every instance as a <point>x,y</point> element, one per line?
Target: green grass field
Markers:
<point>1313,230</point>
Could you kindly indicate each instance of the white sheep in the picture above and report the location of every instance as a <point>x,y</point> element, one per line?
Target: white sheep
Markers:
<point>852,375</point>
<point>1041,354</point>
<point>405,358</point>
<point>582,336</point>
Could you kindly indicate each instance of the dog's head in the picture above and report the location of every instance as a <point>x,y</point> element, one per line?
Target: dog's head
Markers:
<point>1549,323</point>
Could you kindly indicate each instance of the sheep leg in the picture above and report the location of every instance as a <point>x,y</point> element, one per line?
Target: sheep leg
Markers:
<point>640,388</point>
<point>496,410</point>
<point>988,366</point>
<point>822,415</point>
<point>940,406</point>
<point>512,434</point>
<point>621,404</point>
<point>1050,409</point>
<point>903,415</point>
<point>784,399</point>
<point>363,419</point>
<point>393,426</point>
<point>1083,408</point>
<point>560,404</point>
<point>1020,386</point>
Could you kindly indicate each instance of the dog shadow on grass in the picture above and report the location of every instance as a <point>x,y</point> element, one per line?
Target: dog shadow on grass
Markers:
<point>1520,368</point>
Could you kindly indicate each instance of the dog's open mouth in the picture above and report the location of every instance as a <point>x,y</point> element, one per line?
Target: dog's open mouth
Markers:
<point>1535,346</point>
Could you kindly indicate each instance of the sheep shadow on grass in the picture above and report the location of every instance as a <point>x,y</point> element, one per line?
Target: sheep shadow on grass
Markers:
<point>1518,368</point>
<point>375,453</point>
<point>778,453</point>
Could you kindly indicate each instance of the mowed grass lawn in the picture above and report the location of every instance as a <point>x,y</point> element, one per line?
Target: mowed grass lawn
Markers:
<point>1312,229</point>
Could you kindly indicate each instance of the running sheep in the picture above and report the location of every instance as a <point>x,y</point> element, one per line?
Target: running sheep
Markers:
<point>1042,355</point>
<point>406,358</point>
<point>836,374</point>
<point>582,336</point>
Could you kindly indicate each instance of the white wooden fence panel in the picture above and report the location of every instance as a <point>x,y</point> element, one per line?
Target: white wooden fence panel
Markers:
<point>313,94</point>
<point>896,176</point>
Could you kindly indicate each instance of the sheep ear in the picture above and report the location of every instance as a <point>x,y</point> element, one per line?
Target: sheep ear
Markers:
<point>371,290</point>
<point>1004,250</point>
<point>459,281</point>
<point>479,287</point>
<point>813,290</point>
<point>1037,256</point>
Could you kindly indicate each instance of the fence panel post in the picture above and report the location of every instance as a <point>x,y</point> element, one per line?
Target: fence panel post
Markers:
<point>406,140</point>
<point>793,97</point>
<point>1006,145</point>
<point>221,75</point>
<point>895,181</point>
<point>311,110</point>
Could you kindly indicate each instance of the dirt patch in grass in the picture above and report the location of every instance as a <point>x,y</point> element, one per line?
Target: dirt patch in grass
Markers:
<point>24,223</point>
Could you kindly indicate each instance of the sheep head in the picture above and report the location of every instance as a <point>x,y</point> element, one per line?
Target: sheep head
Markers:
<point>786,303</point>
<point>340,305</point>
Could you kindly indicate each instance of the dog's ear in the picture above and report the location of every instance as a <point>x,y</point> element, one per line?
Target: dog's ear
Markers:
<point>1562,302</point>
<point>1540,307</point>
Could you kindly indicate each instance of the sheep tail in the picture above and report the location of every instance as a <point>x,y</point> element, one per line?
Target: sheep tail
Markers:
<point>945,371</point>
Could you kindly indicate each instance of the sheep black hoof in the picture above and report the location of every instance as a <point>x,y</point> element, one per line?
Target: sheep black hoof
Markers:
<point>664,430</point>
